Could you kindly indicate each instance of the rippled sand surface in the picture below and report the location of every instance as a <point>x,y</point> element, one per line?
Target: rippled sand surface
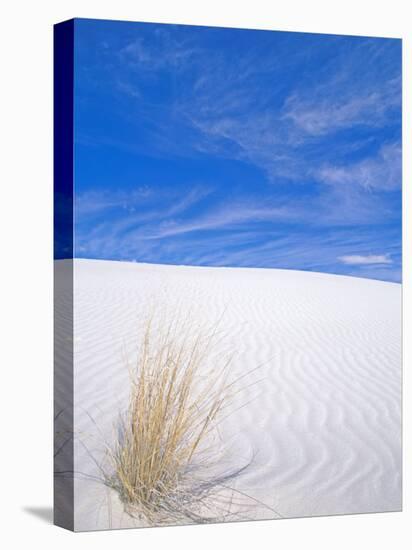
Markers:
<point>321,424</point>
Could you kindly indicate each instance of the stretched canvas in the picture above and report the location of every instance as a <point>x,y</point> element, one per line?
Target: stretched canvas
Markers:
<point>227,274</point>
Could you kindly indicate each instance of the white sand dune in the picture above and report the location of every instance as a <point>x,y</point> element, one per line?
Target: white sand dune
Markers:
<point>323,423</point>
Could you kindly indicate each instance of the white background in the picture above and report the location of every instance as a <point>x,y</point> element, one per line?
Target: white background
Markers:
<point>26,270</point>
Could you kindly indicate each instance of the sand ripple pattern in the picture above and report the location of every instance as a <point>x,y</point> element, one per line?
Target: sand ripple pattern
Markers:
<point>324,422</point>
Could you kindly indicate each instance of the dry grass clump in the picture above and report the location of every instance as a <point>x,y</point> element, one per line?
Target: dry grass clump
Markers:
<point>161,459</point>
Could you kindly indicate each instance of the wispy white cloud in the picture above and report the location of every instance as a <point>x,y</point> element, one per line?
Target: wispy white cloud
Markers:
<point>381,172</point>
<point>327,113</point>
<point>165,52</point>
<point>132,216</point>
<point>365,260</point>
<point>129,89</point>
<point>97,201</point>
<point>228,216</point>
<point>164,202</point>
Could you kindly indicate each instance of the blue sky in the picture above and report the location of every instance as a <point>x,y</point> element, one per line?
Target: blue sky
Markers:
<point>228,147</point>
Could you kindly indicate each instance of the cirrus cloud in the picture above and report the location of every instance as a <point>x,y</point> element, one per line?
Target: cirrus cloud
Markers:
<point>371,259</point>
